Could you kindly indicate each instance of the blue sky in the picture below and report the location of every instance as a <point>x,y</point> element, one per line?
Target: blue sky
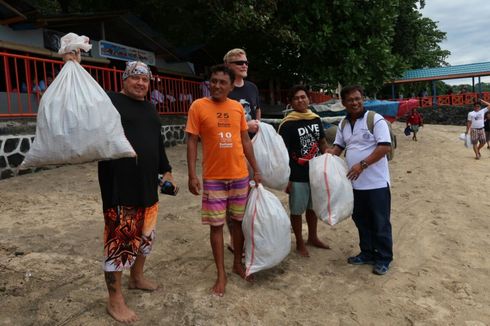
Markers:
<point>467,26</point>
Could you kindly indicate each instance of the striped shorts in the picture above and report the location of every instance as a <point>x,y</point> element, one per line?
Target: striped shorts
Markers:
<point>223,197</point>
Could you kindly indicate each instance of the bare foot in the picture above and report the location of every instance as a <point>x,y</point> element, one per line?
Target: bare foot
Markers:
<point>302,251</point>
<point>218,288</point>
<point>143,284</point>
<point>239,270</point>
<point>121,312</point>
<point>317,243</point>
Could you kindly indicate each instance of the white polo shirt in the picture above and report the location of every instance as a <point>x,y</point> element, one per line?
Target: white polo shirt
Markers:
<point>359,143</point>
<point>477,118</point>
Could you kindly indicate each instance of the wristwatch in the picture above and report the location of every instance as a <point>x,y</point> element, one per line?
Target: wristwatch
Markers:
<point>364,165</point>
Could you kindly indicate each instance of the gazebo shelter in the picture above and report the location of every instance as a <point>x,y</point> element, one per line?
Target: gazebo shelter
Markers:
<point>472,70</point>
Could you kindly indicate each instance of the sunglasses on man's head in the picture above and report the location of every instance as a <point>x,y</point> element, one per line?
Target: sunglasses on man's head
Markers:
<point>240,62</point>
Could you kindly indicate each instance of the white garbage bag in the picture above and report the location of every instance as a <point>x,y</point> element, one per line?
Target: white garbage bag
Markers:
<point>272,157</point>
<point>267,231</point>
<point>72,42</point>
<point>331,192</point>
<point>467,140</point>
<point>76,122</point>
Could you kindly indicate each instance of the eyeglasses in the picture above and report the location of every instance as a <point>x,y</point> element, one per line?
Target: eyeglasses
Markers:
<point>353,100</point>
<point>301,97</point>
<point>240,62</point>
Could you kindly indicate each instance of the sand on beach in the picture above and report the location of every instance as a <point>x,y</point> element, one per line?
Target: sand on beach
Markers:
<point>51,230</point>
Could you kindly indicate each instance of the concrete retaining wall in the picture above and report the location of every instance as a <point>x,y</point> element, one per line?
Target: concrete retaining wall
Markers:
<point>14,147</point>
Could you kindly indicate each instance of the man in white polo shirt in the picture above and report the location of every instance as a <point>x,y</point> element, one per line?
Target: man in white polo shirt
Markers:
<point>476,123</point>
<point>368,171</point>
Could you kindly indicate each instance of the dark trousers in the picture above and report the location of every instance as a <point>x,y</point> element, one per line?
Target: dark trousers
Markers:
<point>372,218</point>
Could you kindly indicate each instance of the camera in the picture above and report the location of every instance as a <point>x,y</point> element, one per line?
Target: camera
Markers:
<point>167,188</point>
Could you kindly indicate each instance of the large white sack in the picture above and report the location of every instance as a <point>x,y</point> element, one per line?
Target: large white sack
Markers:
<point>331,192</point>
<point>267,231</point>
<point>272,157</point>
<point>76,123</point>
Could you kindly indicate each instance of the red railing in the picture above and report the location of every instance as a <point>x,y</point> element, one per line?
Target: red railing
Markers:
<point>466,99</point>
<point>318,97</point>
<point>25,78</point>
<point>280,96</point>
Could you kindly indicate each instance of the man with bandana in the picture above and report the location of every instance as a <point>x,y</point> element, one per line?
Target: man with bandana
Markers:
<point>129,189</point>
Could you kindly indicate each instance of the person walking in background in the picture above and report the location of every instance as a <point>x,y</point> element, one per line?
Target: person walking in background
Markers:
<point>220,124</point>
<point>475,125</point>
<point>156,96</point>
<point>304,137</point>
<point>247,94</point>
<point>487,128</point>
<point>414,121</point>
<point>370,176</point>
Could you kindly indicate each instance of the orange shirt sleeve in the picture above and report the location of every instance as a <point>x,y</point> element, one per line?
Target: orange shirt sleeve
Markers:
<point>193,124</point>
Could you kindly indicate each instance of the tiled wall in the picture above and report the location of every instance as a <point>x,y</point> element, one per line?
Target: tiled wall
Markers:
<point>14,147</point>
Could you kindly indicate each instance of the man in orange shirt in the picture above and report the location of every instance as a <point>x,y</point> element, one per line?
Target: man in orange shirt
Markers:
<point>221,125</point>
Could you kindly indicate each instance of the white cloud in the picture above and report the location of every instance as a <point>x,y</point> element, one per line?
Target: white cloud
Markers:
<point>466,25</point>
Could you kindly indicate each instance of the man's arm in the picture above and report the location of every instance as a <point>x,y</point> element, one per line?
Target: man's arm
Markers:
<point>249,154</point>
<point>485,102</point>
<point>335,150</point>
<point>193,181</point>
<point>253,126</point>
<point>74,56</point>
<point>379,152</point>
<point>468,126</point>
<point>164,166</point>
<point>322,143</point>
<point>383,147</point>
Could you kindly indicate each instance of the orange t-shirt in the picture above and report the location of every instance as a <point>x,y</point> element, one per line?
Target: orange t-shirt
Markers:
<point>219,125</point>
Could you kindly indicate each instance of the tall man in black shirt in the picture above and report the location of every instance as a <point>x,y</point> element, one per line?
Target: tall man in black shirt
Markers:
<point>244,91</point>
<point>129,189</point>
<point>247,94</point>
<point>303,134</point>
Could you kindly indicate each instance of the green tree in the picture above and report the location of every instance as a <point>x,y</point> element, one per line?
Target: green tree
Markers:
<point>291,41</point>
<point>417,38</point>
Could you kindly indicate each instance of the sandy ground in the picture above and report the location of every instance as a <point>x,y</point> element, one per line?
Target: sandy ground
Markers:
<point>51,250</point>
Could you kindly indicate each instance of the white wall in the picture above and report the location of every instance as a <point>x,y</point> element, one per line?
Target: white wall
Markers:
<point>32,37</point>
